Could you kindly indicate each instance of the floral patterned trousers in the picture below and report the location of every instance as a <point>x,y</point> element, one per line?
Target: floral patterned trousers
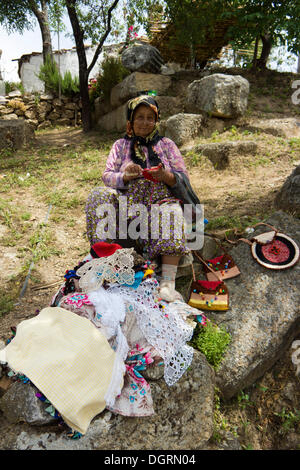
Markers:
<point>160,223</point>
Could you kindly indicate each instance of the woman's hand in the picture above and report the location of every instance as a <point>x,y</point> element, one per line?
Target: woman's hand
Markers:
<point>163,175</point>
<point>132,171</point>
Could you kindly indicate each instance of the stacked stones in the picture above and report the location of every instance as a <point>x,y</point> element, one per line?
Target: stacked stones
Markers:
<point>216,97</point>
<point>41,111</point>
<point>148,73</point>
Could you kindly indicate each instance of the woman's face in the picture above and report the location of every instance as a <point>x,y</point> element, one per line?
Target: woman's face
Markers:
<point>143,121</point>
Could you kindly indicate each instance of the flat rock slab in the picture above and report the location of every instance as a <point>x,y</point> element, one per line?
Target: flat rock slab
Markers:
<point>183,420</point>
<point>219,152</point>
<point>264,314</point>
<point>286,127</point>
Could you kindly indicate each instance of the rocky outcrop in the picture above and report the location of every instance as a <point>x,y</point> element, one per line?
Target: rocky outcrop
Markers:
<point>142,57</point>
<point>183,419</point>
<point>220,95</point>
<point>111,116</point>
<point>264,314</point>
<point>263,320</point>
<point>288,198</point>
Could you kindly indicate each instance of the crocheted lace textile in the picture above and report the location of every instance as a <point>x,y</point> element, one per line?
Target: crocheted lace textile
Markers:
<point>165,329</point>
<point>114,268</point>
<point>110,312</point>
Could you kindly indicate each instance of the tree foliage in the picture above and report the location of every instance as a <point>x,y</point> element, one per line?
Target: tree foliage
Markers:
<point>276,21</point>
<point>15,16</point>
<point>19,15</point>
<point>273,22</point>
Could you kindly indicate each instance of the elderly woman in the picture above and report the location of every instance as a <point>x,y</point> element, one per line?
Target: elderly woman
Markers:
<point>143,148</point>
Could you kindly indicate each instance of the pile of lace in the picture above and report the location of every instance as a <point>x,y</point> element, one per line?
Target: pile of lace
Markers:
<point>110,283</point>
<point>164,328</point>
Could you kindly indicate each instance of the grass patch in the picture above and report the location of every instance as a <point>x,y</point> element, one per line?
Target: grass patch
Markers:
<point>41,244</point>
<point>63,200</point>
<point>231,222</point>
<point>6,302</point>
<point>290,420</point>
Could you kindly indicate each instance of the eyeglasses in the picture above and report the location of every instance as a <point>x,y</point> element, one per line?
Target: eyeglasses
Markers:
<point>149,120</point>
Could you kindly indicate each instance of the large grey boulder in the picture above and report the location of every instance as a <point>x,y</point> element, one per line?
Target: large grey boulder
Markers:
<point>288,198</point>
<point>142,58</point>
<point>136,83</point>
<point>264,314</point>
<point>183,420</point>
<point>219,95</point>
<point>183,128</point>
<point>15,133</point>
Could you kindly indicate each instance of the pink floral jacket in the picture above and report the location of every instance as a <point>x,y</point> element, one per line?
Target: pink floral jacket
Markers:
<point>119,157</point>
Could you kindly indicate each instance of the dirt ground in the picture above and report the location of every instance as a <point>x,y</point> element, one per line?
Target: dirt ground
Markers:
<point>43,190</point>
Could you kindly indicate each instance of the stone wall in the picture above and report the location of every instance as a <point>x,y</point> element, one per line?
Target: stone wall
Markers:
<point>41,111</point>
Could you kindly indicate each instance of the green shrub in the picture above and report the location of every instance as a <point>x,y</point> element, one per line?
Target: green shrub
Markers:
<point>112,72</point>
<point>212,341</point>
<point>50,75</point>
<point>12,86</point>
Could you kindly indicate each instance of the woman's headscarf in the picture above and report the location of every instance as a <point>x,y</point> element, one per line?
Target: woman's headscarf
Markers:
<point>137,154</point>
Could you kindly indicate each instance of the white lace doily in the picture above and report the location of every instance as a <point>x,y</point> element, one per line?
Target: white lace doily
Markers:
<point>164,329</point>
<point>115,268</point>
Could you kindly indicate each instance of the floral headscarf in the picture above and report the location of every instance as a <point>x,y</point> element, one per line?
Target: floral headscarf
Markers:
<point>137,154</point>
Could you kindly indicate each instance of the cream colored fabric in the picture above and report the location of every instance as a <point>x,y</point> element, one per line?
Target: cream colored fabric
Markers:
<point>69,361</point>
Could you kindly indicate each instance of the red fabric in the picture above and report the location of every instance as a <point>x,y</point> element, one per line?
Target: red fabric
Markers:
<point>103,249</point>
<point>277,252</point>
<point>216,260</point>
<point>209,284</point>
<point>147,173</point>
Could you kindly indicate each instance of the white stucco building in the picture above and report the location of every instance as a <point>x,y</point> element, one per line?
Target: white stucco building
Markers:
<point>29,64</point>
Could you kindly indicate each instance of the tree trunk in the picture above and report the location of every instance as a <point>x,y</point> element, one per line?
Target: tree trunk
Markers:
<point>298,66</point>
<point>266,49</point>
<point>254,61</point>
<point>83,69</point>
<point>42,17</point>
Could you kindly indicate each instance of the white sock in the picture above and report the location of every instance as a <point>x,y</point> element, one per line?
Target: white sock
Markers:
<point>167,283</point>
<point>168,273</point>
